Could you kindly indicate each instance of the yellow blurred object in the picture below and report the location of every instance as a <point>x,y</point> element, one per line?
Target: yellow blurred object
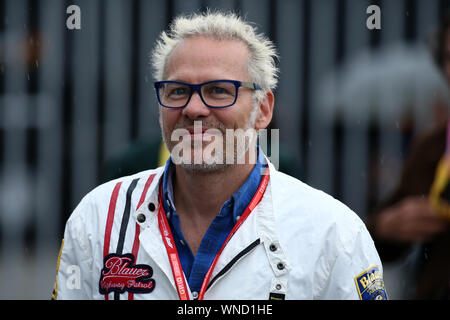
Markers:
<point>440,189</point>
<point>163,154</point>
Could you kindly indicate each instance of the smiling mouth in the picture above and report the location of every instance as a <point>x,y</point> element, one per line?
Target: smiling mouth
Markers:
<point>196,130</point>
<point>203,135</point>
<point>199,131</point>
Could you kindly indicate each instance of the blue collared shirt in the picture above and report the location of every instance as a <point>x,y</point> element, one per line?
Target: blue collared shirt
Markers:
<point>195,268</point>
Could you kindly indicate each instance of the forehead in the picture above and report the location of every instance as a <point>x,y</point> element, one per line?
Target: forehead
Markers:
<point>205,58</point>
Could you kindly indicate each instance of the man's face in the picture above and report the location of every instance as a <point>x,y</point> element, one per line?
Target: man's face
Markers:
<point>197,60</point>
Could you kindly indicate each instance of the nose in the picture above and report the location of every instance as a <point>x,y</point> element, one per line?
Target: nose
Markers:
<point>196,108</point>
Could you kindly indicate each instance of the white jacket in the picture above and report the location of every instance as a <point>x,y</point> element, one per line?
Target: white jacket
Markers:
<point>298,243</point>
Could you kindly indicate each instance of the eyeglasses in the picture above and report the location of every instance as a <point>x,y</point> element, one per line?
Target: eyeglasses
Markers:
<point>214,94</point>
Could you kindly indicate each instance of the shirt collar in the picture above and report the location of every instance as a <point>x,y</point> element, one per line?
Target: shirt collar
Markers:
<point>242,197</point>
<point>238,201</point>
<point>167,187</point>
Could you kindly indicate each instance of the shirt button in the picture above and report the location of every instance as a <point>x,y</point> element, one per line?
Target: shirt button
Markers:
<point>151,206</point>
<point>195,295</point>
<point>141,218</point>
<point>273,247</point>
<point>280,266</point>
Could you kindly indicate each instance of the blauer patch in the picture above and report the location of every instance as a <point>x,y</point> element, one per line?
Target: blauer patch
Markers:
<point>120,274</point>
<point>370,284</point>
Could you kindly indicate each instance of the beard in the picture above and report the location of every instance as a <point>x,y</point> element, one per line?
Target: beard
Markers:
<point>218,149</point>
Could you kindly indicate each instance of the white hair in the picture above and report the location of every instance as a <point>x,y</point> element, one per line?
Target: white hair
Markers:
<point>221,26</point>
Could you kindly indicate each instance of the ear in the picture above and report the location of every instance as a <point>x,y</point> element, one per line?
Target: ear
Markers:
<point>265,111</point>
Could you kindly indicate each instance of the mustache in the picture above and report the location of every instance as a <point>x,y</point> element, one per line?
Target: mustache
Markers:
<point>184,124</point>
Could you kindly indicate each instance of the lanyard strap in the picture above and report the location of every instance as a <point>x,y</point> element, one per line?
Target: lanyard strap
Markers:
<point>172,252</point>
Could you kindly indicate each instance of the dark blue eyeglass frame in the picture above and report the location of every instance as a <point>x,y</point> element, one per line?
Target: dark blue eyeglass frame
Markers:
<point>198,88</point>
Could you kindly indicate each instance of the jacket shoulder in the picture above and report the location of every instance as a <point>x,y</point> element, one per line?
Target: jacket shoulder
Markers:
<point>302,194</point>
<point>308,206</point>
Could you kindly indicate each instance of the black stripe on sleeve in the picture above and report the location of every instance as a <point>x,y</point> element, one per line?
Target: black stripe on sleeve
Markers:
<point>124,224</point>
<point>126,216</point>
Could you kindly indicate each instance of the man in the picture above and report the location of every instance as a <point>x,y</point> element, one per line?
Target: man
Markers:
<point>218,221</point>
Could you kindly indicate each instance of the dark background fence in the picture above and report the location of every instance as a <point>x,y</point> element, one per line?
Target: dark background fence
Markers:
<point>349,101</point>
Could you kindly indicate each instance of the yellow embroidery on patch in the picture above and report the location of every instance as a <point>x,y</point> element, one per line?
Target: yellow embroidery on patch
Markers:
<point>370,284</point>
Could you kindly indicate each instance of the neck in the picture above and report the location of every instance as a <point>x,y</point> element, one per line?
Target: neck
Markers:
<point>201,195</point>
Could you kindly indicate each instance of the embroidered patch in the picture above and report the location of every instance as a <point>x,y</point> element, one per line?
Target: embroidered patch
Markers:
<point>120,274</point>
<point>370,284</point>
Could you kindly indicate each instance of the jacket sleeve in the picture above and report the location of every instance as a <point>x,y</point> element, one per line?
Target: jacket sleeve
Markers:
<point>73,279</point>
<point>356,273</point>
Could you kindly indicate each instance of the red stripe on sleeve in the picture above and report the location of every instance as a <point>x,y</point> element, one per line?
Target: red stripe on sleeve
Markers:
<point>110,220</point>
<point>135,249</point>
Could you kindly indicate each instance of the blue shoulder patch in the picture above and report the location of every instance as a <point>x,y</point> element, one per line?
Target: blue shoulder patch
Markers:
<point>370,284</point>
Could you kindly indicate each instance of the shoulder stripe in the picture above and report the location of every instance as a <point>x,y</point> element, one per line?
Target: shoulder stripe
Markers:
<point>110,219</point>
<point>124,223</point>
<point>135,249</point>
<point>144,192</point>
<point>125,216</point>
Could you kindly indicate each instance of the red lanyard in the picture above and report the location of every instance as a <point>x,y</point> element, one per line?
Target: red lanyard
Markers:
<point>172,252</point>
